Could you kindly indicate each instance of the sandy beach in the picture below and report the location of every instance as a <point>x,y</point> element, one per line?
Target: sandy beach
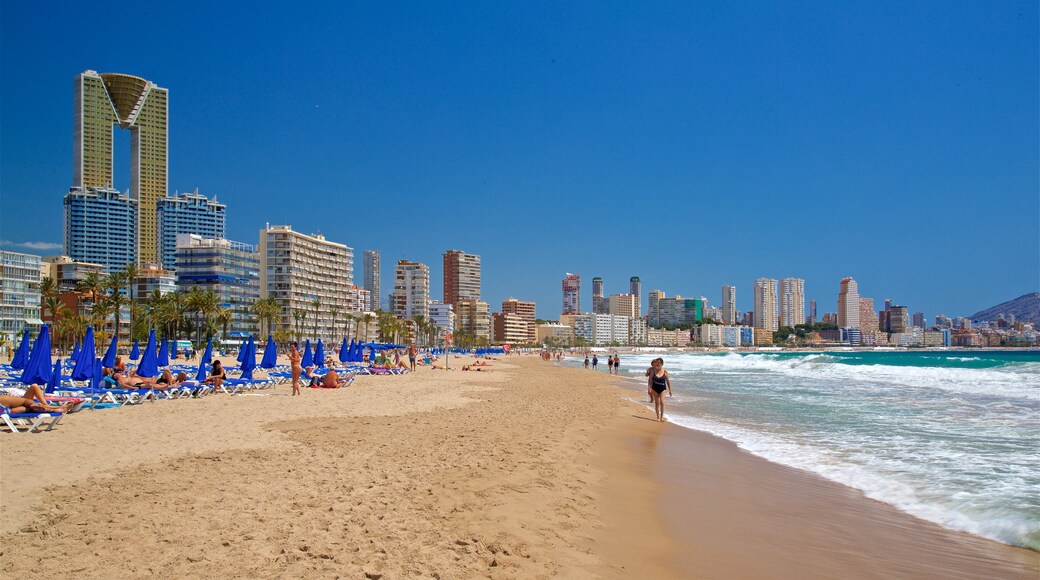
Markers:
<point>529,471</point>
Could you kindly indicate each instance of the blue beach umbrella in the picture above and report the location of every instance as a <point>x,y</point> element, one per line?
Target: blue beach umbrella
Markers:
<point>249,360</point>
<point>319,354</point>
<point>207,356</point>
<point>135,352</point>
<point>95,381</point>
<point>163,358</point>
<point>359,353</point>
<point>83,367</point>
<point>173,352</point>
<point>308,357</point>
<point>109,360</point>
<point>201,375</point>
<point>21,356</point>
<point>55,382</point>
<point>344,351</point>
<point>38,367</point>
<point>75,352</point>
<point>241,353</point>
<point>148,367</point>
<point>270,354</point>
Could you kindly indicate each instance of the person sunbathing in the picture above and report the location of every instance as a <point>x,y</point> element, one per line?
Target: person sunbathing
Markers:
<point>120,366</point>
<point>476,368</point>
<point>331,380</point>
<point>32,392</point>
<point>25,405</point>
<point>217,376</point>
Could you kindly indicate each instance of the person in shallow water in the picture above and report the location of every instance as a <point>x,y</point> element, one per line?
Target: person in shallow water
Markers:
<point>659,381</point>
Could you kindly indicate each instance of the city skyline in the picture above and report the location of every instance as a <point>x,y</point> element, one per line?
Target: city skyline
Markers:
<point>936,134</point>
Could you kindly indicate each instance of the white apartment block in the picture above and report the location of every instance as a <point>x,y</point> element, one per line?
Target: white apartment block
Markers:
<point>637,331</point>
<point>20,276</point>
<point>443,316</point>
<point>729,304</point>
<point>711,334</point>
<point>792,302</point>
<point>765,304</point>
<point>411,296</point>
<point>306,274</point>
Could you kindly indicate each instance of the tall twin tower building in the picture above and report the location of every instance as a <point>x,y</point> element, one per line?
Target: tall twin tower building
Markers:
<point>107,227</point>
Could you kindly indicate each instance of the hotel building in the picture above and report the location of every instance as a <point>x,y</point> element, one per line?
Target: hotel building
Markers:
<point>187,213</point>
<point>373,273</point>
<point>461,276</point>
<point>411,295</point>
<point>474,318</point>
<point>848,304</point>
<point>525,310</point>
<point>765,305</point>
<point>137,105</point>
<point>729,304</point>
<point>623,305</point>
<point>792,302</point>
<point>297,270</point>
<point>20,298</point>
<point>230,269</point>
<point>509,328</point>
<point>101,227</point>
<point>571,293</point>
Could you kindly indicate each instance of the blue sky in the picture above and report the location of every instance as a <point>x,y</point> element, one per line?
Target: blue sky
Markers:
<point>693,144</point>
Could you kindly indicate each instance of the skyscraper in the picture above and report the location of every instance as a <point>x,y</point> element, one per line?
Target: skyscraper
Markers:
<point>572,293</point>
<point>729,304</point>
<point>140,106</point>
<point>461,276</point>
<point>101,227</point>
<point>623,305</point>
<point>654,307</point>
<point>635,288</point>
<point>411,295</point>
<point>765,304</point>
<point>372,274</point>
<point>919,319</point>
<point>848,304</point>
<point>812,311</point>
<point>599,302</point>
<point>868,320</point>
<point>187,213</point>
<point>792,302</point>
<point>230,269</point>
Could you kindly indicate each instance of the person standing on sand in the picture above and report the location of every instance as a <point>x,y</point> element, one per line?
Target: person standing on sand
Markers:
<point>659,381</point>
<point>649,372</point>
<point>586,361</point>
<point>412,351</point>
<point>617,364</point>
<point>294,360</point>
<point>595,361</point>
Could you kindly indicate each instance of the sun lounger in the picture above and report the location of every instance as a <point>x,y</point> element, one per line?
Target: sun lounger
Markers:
<point>29,421</point>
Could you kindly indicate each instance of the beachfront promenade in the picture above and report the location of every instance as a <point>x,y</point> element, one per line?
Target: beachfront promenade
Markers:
<point>529,471</point>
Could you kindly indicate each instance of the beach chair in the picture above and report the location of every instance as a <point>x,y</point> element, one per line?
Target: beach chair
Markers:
<point>29,421</point>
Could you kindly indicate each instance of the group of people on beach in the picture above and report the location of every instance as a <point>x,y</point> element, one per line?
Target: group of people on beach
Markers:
<point>613,363</point>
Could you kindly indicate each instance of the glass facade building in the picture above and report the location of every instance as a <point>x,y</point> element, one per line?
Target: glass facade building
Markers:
<point>187,213</point>
<point>101,227</point>
<point>231,269</point>
<point>19,295</point>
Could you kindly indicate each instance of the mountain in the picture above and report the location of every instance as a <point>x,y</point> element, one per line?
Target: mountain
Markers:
<point>1025,308</point>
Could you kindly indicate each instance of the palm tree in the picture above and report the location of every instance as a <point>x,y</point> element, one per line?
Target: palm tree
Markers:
<point>316,304</point>
<point>93,284</point>
<point>113,285</point>
<point>351,321</point>
<point>300,316</point>
<point>48,287</point>
<point>53,303</point>
<point>224,316</point>
<point>367,318</point>
<point>420,327</point>
<point>130,273</point>
<point>266,309</point>
<point>334,311</point>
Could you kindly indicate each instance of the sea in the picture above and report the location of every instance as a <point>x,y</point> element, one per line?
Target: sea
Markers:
<point>951,437</point>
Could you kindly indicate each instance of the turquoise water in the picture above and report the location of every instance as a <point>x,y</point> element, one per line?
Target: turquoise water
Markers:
<point>950,437</point>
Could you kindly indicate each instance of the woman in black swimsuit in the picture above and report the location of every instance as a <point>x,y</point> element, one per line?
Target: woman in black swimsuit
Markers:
<point>659,381</point>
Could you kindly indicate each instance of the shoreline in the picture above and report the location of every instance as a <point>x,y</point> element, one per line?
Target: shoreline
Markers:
<point>533,470</point>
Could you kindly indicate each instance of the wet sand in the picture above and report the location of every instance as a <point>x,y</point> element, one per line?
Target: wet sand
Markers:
<point>530,471</point>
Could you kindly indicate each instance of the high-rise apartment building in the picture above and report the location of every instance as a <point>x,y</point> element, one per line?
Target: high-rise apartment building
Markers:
<point>152,278</point>
<point>812,312</point>
<point>19,295</point>
<point>654,307</point>
<point>443,317</point>
<point>635,288</point>
<point>373,273</point>
<point>765,304</point>
<point>525,310</point>
<point>187,213</point>
<point>599,301</point>
<point>509,328</point>
<point>868,320</point>
<point>461,276</point>
<point>306,275</point>
<point>230,269</point>
<point>572,293</point>
<point>67,274</point>
<point>898,319</point>
<point>623,305</point>
<point>675,310</point>
<point>792,302</point>
<point>411,295</point>
<point>474,318</point>
<point>729,304</point>
<point>919,319</point>
<point>137,105</point>
<point>848,304</point>
<point>101,227</point>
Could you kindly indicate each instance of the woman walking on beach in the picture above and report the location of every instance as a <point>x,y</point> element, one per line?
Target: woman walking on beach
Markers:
<point>659,381</point>
<point>294,360</point>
